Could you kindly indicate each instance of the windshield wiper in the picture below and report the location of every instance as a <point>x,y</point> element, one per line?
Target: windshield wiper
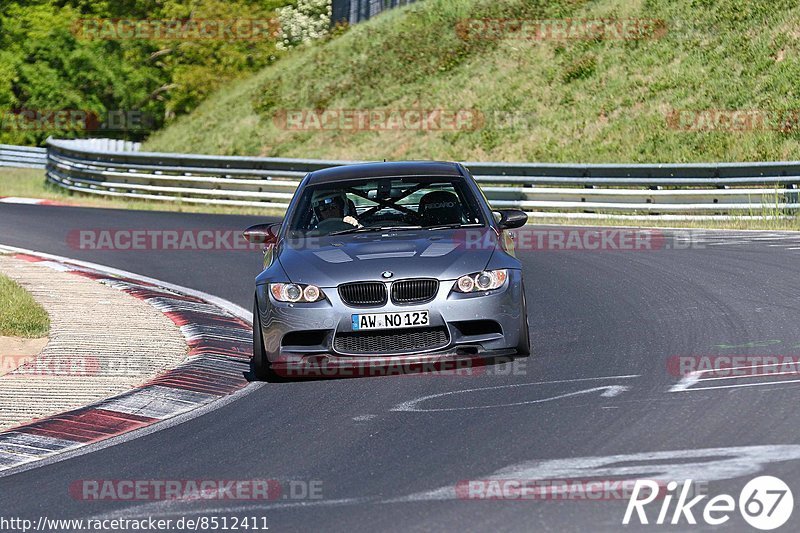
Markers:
<point>368,229</point>
<point>455,226</point>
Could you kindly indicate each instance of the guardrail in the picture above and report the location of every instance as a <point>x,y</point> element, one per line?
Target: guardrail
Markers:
<point>355,11</point>
<point>107,145</point>
<point>712,190</point>
<point>22,156</point>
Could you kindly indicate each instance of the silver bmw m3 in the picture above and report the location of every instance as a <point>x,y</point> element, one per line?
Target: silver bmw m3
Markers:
<point>393,262</point>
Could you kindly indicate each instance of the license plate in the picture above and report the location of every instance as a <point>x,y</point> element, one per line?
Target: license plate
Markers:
<point>404,319</point>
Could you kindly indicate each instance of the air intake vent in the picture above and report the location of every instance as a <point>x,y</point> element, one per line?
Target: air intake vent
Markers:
<point>414,291</point>
<point>391,343</point>
<point>362,294</point>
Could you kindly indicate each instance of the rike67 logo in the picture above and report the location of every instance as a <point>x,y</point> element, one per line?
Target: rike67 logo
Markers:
<point>765,503</point>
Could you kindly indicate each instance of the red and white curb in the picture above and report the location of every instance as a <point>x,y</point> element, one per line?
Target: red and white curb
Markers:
<point>220,348</point>
<point>28,201</point>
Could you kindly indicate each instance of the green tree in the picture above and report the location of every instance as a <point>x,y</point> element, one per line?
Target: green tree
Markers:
<point>48,64</point>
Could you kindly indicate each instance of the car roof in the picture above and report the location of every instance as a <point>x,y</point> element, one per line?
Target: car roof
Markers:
<point>385,170</point>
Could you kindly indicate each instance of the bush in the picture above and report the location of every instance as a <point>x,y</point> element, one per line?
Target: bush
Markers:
<point>309,20</point>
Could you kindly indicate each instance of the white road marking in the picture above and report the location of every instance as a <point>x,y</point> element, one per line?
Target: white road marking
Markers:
<point>20,200</point>
<point>738,385</point>
<point>692,378</point>
<point>713,464</point>
<point>609,391</point>
<point>363,418</point>
<point>787,373</point>
<point>686,381</point>
<point>168,508</point>
<point>709,464</point>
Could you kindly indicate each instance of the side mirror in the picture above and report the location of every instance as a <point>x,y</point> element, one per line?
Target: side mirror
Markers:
<point>262,233</point>
<point>510,218</point>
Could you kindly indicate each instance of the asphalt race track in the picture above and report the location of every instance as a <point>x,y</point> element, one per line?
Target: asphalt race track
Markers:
<point>604,325</point>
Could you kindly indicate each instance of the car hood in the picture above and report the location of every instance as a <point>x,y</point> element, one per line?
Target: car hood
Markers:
<point>441,254</point>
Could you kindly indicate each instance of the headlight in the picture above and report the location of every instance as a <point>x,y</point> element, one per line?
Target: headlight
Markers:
<point>481,281</point>
<point>292,292</point>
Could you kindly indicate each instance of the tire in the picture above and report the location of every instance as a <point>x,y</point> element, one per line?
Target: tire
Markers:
<point>524,344</point>
<point>262,370</point>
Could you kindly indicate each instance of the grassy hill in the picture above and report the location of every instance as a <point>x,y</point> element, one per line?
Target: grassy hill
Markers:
<point>599,100</point>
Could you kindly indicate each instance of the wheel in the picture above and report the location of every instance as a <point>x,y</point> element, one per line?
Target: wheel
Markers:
<point>261,368</point>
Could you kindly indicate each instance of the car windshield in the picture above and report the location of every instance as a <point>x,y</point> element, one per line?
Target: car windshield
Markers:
<point>398,203</point>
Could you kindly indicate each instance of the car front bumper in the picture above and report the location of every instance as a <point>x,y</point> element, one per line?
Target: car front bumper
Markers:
<point>485,323</point>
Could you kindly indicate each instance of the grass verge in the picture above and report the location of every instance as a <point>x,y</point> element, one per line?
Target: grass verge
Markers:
<point>20,315</point>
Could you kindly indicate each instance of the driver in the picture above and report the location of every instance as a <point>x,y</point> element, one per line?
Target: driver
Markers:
<point>333,205</point>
